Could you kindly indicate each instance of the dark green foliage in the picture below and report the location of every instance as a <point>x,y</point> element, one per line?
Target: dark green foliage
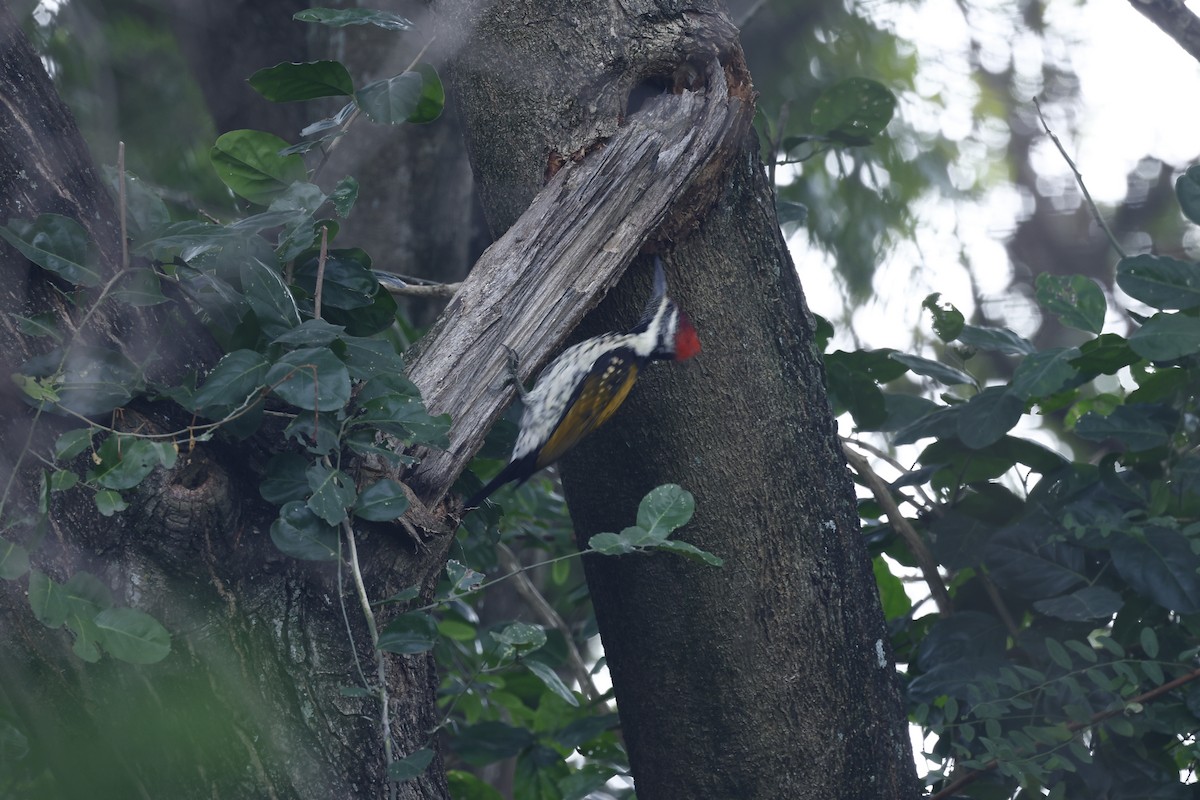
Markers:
<point>1075,583</point>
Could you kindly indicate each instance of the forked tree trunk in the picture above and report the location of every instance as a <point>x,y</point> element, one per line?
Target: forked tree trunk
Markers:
<point>770,677</point>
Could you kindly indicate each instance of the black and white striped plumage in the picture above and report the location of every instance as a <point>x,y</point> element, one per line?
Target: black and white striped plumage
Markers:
<point>584,386</point>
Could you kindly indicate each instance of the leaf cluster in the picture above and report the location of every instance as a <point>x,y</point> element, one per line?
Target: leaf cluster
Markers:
<point>1063,509</point>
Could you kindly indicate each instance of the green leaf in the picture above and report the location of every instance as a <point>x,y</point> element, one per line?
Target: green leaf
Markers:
<point>139,287</point>
<point>402,596</point>
<point>1075,300</point>
<point>664,509</point>
<point>1088,603</point>
<point>312,379</point>
<point>39,325</point>
<point>344,195</point>
<point>47,600</point>
<point>109,502</point>
<point>367,358</point>
<point>947,320</point>
<point>72,443</point>
<point>932,369</point>
<point>433,96</point>
<point>1161,567</point>
<point>465,786</point>
<point>93,380</point>
<point>14,560</point>
<point>462,578</point>
<point>300,533</point>
<point>235,378</point>
<point>58,244</point>
<point>1058,654</point>
<point>87,596</point>
<point>411,766</point>
<point>1042,374</point>
<point>341,17</point>
<point>124,461</point>
<point>1104,355</point>
<point>610,544</point>
<point>789,212</point>
<point>414,96</point>
<point>146,213</point>
<point>1149,641</point>
<point>285,479</point>
<point>995,340</point>
<point>854,110</point>
<point>689,550</point>
<point>248,162</point>
<point>1166,337</point>
<point>491,741</point>
<point>288,82</point>
<point>554,683</point>
<point>1187,189</point>
<point>988,416</point>
<point>582,783</point>
<point>347,280</point>
<point>856,392</point>
<point>62,479</point>
<point>1133,426</point>
<point>522,636</point>
<point>382,501</point>
<point>333,493</point>
<point>270,298</point>
<point>1160,281</point>
<point>133,636</point>
<point>407,634</point>
<point>311,333</point>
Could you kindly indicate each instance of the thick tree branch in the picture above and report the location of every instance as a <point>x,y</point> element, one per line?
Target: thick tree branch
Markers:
<point>533,286</point>
<point>1175,19</point>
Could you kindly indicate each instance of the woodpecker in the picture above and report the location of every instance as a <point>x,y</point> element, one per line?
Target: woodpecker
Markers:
<point>578,391</point>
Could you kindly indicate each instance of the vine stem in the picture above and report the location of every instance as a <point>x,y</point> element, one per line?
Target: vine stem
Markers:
<point>321,271</point>
<point>1073,727</point>
<point>543,609</point>
<point>121,204</point>
<point>365,601</point>
<point>925,559</point>
<point>1112,240</point>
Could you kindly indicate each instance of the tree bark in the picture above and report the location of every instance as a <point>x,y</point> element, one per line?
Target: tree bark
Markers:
<point>249,702</point>
<point>772,676</point>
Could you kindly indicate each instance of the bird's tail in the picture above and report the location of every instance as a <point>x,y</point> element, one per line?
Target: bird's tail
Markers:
<point>518,471</point>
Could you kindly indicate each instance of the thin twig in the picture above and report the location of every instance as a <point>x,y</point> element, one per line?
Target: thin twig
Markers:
<point>925,560</point>
<point>543,609</point>
<point>1001,607</point>
<point>440,290</point>
<point>121,204</point>
<point>887,457</point>
<point>328,151</point>
<point>1073,727</point>
<point>346,618</point>
<point>321,271</point>
<point>365,601</point>
<point>1079,179</point>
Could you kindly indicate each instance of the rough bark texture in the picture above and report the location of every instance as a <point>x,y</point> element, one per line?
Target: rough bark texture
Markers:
<point>534,285</point>
<point>249,701</point>
<point>770,677</point>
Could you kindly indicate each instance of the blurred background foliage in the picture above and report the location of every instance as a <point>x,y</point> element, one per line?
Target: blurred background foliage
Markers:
<point>962,194</point>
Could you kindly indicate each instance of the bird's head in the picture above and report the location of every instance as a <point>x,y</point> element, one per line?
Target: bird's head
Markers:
<point>675,337</point>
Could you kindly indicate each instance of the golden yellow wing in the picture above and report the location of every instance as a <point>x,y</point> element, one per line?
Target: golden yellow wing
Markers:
<point>601,394</point>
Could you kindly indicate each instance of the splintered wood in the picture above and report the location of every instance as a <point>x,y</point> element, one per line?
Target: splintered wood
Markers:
<point>530,289</point>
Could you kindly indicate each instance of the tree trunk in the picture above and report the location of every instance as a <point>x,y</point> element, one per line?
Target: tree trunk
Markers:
<point>772,676</point>
<point>249,702</point>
